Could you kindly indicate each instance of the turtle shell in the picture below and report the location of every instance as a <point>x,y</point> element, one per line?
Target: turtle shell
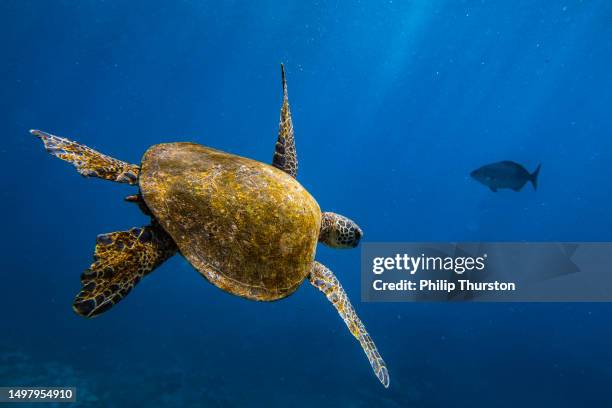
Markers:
<point>248,227</point>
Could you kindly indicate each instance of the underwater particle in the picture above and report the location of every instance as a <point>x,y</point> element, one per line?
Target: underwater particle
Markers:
<point>505,174</point>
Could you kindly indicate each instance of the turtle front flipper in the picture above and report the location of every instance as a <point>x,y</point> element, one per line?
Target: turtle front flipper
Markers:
<point>324,279</point>
<point>121,260</point>
<point>87,161</point>
<point>285,155</point>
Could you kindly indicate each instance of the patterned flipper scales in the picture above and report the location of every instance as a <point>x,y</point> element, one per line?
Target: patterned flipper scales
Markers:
<point>324,279</point>
<point>285,155</point>
<point>121,260</point>
<point>87,161</point>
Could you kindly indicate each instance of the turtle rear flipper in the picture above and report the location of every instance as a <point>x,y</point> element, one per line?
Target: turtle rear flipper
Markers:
<point>121,260</point>
<point>89,162</point>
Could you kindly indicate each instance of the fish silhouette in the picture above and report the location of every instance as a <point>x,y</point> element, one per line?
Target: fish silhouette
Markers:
<point>505,174</point>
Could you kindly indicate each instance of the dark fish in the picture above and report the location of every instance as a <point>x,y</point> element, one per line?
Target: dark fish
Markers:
<point>505,174</point>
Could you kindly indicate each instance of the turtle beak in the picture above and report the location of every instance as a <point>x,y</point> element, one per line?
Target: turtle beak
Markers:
<point>358,235</point>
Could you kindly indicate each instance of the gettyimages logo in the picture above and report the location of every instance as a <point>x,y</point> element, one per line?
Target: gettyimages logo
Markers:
<point>486,271</point>
<point>415,264</point>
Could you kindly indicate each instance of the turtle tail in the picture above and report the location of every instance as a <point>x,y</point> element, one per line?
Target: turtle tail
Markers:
<point>87,161</point>
<point>121,260</point>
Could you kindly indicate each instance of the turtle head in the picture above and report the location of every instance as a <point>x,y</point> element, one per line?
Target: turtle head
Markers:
<point>338,231</point>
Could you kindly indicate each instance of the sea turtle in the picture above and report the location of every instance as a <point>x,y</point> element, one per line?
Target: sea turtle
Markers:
<point>250,228</point>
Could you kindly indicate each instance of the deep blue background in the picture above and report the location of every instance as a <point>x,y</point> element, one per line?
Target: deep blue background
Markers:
<point>394,103</point>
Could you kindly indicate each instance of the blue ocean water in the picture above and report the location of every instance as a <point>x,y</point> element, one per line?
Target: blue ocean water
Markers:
<point>394,103</point>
